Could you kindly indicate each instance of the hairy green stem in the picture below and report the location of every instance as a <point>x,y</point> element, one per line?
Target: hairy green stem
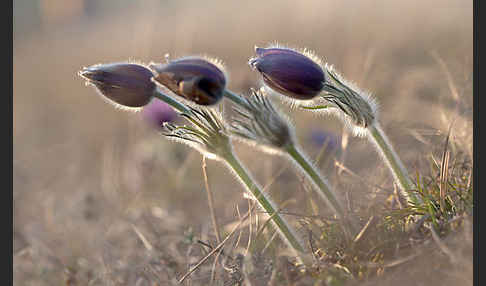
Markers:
<point>321,184</point>
<point>383,146</point>
<point>234,97</point>
<point>310,171</point>
<point>265,203</point>
<point>170,101</point>
<point>286,231</point>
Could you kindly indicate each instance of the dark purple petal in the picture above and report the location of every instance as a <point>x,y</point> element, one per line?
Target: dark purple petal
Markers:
<point>264,52</point>
<point>289,72</point>
<point>195,79</point>
<point>123,83</point>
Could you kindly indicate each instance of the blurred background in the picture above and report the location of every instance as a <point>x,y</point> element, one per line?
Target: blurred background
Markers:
<point>90,181</point>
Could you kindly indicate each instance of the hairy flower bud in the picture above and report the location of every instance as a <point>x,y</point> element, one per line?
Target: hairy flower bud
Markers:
<point>289,72</point>
<point>126,84</point>
<point>195,79</point>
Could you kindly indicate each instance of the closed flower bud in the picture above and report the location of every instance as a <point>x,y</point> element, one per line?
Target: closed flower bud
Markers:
<point>195,79</point>
<point>289,72</point>
<point>126,84</point>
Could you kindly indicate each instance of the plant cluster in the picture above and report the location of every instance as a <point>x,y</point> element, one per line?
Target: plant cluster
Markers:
<point>193,86</point>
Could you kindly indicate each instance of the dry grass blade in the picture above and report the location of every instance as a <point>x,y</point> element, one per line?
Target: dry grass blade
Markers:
<point>267,222</point>
<point>237,242</point>
<point>362,233</point>
<point>441,245</point>
<point>469,180</point>
<point>144,240</point>
<point>250,228</point>
<point>217,248</point>
<point>341,167</point>
<point>210,200</point>
<point>344,145</point>
<point>397,196</point>
<point>444,170</point>
<point>213,269</point>
<point>450,82</point>
<point>444,176</point>
<point>394,262</point>
<point>269,242</point>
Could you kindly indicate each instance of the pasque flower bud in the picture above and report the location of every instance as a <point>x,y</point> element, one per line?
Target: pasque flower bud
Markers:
<point>195,79</point>
<point>289,72</point>
<point>126,84</point>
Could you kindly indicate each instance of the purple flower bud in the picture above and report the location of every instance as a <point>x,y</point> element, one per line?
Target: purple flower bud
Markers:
<point>126,84</point>
<point>289,72</point>
<point>157,112</point>
<point>195,79</point>
<point>319,138</point>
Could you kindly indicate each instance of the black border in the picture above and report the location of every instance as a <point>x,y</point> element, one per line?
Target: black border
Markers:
<point>476,167</point>
<point>8,125</point>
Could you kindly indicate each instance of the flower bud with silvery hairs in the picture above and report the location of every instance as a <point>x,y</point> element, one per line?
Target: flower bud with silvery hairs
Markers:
<point>196,79</point>
<point>123,84</point>
<point>289,72</point>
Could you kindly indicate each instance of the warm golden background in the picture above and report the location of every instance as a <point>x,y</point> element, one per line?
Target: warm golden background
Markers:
<point>88,177</point>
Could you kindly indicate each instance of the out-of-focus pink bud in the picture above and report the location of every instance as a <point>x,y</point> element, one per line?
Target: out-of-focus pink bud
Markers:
<point>157,112</point>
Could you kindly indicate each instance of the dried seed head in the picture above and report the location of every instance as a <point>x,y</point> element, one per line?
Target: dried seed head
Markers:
<point>195,79</point>
<point>125,84</point>
<point>289,72</point>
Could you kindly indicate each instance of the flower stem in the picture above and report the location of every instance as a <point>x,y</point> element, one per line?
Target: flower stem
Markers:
<point>234,97</point>
<point>310,171</point>
<point>384,147</point>
<point>170,101</point>
<point>320,183</point>
<point>265,203</point>
<point>282,225</point>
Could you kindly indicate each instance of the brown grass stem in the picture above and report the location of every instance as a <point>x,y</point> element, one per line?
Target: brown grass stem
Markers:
<point>210,201</point>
